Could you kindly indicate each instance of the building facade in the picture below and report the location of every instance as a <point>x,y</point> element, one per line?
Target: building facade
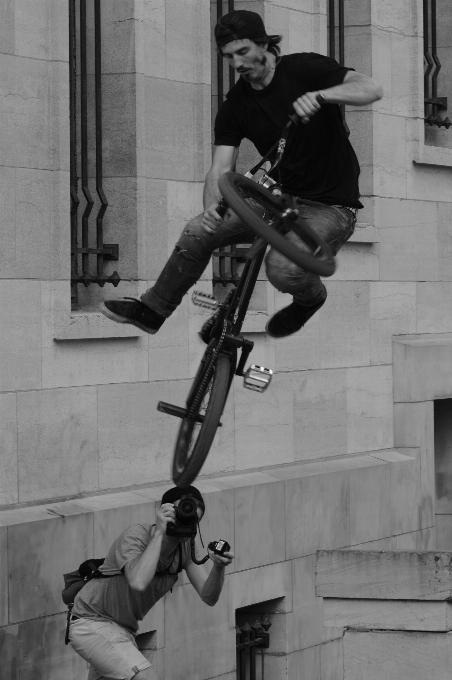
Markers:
<point>342,451</point>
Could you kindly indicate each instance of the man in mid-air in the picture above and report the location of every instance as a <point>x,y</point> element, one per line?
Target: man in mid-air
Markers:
<point>319,164</point>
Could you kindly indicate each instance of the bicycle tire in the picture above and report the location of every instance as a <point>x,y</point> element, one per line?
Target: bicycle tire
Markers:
<point>236,188</point>
<point>199,436</point>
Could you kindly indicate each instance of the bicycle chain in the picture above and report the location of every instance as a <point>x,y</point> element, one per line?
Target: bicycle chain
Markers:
<point>194,406</point>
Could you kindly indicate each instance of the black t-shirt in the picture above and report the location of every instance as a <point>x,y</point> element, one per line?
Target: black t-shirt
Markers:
<point>319,162</point>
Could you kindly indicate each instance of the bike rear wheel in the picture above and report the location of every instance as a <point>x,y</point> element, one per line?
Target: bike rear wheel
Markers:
<point>245,196</point>
<point>207,398</point>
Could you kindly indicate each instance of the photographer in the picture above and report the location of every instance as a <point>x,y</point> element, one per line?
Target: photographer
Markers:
<point>141,566</point>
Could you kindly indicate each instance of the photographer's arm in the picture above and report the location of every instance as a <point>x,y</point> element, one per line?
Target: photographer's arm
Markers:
<point>140,571</point>
<point>209,587</point>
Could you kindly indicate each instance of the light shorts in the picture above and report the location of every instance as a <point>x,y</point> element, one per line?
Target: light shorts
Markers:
<point>110,649</point>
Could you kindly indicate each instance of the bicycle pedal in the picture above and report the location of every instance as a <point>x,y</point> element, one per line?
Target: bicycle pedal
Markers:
<point>204,300</point>
<point>257,378</point>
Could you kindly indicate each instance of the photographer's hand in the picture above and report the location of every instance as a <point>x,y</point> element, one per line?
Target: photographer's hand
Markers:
<point>165,515</point>
<point>221,561</point>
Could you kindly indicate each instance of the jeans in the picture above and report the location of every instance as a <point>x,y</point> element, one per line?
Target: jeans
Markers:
<point>192,253</point>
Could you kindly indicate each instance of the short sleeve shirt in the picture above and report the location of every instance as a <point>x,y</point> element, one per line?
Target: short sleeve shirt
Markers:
<point>319,162</point>
<point>112,599</point>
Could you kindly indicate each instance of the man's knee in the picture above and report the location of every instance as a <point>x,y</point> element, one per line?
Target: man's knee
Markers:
<point>282,273</point>
<point>148,674</point>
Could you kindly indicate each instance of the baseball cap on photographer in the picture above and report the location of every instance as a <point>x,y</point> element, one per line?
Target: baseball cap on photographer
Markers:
<point>176,494</point>
<point>238,25</point>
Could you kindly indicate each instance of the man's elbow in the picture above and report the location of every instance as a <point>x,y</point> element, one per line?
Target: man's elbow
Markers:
<point>378,92</point>
<point>136,584</point>
<point>209,601</point>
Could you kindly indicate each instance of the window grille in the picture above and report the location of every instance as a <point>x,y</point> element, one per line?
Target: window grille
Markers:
<point>432,66</point>
<point>248,640</point>
<point>82,140</point>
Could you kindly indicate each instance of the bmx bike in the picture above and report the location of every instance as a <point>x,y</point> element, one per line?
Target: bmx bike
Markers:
<point>264,209</point>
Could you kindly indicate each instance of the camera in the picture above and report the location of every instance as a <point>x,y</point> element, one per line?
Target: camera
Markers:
<point>186,518</point>
<point>219,547</point>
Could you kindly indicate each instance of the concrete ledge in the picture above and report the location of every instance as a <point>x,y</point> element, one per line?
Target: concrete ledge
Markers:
<point>387,614</point>
<point>381,575</point>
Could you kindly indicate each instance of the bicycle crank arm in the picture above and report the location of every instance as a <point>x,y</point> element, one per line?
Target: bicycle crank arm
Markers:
<point>178,411</point>
<point>246,349</point>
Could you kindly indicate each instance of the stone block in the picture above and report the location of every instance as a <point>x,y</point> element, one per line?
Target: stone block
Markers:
<point>119,100</point>
<point>370,503</point>
<point>264,423</point>
<point>169,348</point>
<point>10,652</point>
<point>320,414</point>
<point>337,336</point>
<point>304,664</point>
<point>25,112</point>
<point>306,628</point>
<point>253,586</point>
<point>388,614</point>
<point>361,124</point>
<point>433,307</point>
<point>180,42</point>
<point>405,490</point>
<point>152,227</point>
<point>150,54</point>
<point>33,201</point>
<point>408,240</point>
<point>171,129</point>
<point>3,578</point>
<point>8,447</point>
<point>428,180</point>
<point>120,27</point>
<point>39,554</point>
<point>325,499</point>
<point>424,539</point>
<point>332,660</point>
<point>32,21</point>
<point>133,435</point>
<point>392,311</point>
<point>43,653</point>
<point>7,37</point>
<point>414,426</point>
<point>59,137</point>
<point>421,367</point>
<point>57,443</point>
<point>389,543</point>
<point>197,636</point>
<point>60,260</point>
<point>8,222</point>
<point>390,174</point>
<point>71,363</point>
<point>358,262</point>
<point>396,655</point>
<point>443,532</point>
<point>20,364</point>
<point>110,523</point>
<point>402,18</point>
<point>444,241</point>
<point>260,509</point>
<point>303,580</point>
<point>381,575</point>
<point>369,408</point>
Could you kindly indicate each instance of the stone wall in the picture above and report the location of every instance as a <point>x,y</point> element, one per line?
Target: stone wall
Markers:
<point>275,520</point>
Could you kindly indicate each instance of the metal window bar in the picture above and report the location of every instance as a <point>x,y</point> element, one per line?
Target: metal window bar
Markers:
<point>336,38</point>
<point>83,252</point>
<point>248,640</point>
<point>432,67</point>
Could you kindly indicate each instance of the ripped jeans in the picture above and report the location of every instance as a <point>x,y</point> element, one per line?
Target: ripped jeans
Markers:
<point>192,253</point>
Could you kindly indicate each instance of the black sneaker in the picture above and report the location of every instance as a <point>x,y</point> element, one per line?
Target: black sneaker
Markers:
<point>130,310</point>
<point>290,319</point>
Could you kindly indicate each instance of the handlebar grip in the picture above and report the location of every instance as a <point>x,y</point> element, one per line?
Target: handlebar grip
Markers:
<point>222,208</point>
<point>295,118</point>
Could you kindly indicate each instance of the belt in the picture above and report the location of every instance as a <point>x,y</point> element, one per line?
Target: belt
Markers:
<point>354,211</point>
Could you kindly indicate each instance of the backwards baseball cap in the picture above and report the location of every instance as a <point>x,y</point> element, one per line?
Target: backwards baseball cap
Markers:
<point>238,25</point>
<point>176,494</point>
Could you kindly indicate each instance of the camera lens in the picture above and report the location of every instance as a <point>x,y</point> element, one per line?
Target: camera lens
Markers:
<point>186,511</point>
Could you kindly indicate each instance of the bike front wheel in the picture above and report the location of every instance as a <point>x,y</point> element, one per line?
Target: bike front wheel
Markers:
<point>195,437</point>
<point>263,212</point>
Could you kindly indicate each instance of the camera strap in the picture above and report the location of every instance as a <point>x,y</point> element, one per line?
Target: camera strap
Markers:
<point>179,566</point>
